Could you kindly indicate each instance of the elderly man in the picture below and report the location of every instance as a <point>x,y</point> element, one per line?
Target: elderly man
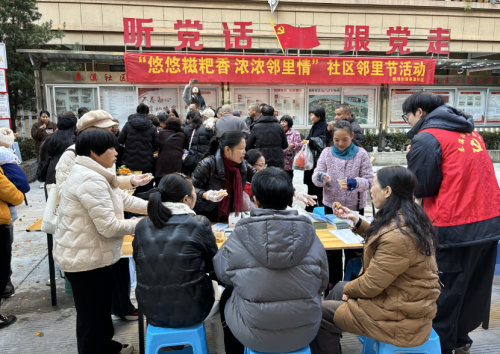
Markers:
<point>228,122</point>
<point>343,111</point>
<point>253,115</point>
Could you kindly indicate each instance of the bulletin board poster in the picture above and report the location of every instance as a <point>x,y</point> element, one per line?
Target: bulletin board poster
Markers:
<point>328,98</point>
<point>209,95</point>
<point>493,111</point>
<point>158,98</point>
<point>362,103</point>
<point>398,96</point>
<point>3,81</point>
<point>4,106</point>
<point>289,101</point>
<point>120,102</point>
<point>472,102</point>
<point>244,97</point>
<point>448,95</point>
<point>5,123</point>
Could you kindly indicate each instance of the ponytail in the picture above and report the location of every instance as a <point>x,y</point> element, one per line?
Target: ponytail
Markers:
<point>172,188</point>
<point>229,139</point>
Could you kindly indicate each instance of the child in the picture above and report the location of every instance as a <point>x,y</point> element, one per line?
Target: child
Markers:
<point>173,251</point>
<point>9,163</point>
<point>275,269</point>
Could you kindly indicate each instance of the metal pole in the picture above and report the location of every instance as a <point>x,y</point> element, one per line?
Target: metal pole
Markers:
<point>23,130</point>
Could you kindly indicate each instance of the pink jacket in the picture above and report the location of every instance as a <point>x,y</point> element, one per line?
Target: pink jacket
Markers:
<point>293,137</point>
<point>358,167</point>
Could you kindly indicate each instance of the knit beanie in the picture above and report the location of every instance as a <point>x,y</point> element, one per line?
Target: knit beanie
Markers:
<point>67,122</point>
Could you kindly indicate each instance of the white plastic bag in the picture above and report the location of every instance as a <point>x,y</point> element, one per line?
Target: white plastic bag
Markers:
<point>51,210</point>
<point>304,160</point>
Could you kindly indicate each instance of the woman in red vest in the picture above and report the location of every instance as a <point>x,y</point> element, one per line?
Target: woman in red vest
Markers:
<point>461,196</point>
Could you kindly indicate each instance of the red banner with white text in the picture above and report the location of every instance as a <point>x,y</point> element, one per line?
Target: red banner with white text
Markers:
<point>160,67</point>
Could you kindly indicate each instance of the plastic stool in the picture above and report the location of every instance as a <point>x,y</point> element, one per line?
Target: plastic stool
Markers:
<point>195,336</point>
<point>432,346</point>
<point>353,267</point>
<point>305,350</point>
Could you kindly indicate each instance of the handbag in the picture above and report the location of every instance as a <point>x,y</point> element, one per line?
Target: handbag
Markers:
<point>51,213</point>
<point>193,157</point>
<point>42,169</point>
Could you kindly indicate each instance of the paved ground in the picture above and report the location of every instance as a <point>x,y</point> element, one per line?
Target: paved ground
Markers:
<point>32,306</point>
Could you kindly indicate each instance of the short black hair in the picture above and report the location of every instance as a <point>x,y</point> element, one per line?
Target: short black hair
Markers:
<point>273,188</point>
<point>287,119</point>
<point>82,111</point>
<point>196,104</point>
<point>142,108</point>
<point>262,105</point>
<point>95,139</point>
<point>319,112</point>
<point>425,100</point>
<point>345,107</point>
<point>252,156</point>
<point>267,111</point>
<point>46,112</point>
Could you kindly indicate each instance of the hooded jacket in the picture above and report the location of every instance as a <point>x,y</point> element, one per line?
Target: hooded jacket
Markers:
<point>9,194</point>
<point>201,138</point>
<point>173,287</point>
<point>456,178</point>
<point>170,156</point>
<point>141,140</point>
<point>210,175</point>
<point>278,268</point>
<point>394,298</point>
<point>269,137</point>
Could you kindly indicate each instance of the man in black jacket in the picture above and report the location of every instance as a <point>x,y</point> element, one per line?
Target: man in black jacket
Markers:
<point>253,115</point>
<point>460,194</point>
<point>343,111</point>
<point>141,140</point>
<point>269,137</point>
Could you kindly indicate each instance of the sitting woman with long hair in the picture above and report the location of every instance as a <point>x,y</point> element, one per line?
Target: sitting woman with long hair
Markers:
<point>394,298</point>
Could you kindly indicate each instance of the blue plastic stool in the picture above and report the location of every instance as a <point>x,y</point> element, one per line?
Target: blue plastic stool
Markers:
<point>195,336</point>
<point>305,350</point>
<point>432,346</point>
<point>353,267</point>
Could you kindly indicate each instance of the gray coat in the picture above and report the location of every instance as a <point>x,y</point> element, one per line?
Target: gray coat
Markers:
<point>229,123</point>
<point>278,268</point>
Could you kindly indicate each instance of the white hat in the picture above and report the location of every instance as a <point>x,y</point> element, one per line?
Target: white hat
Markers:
<point>99,119</point>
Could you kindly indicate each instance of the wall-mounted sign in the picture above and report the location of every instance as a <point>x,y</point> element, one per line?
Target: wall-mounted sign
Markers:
<point>3,56</point>
<point>4,106</point>
<point>464,80</point>
<point>3,81</point>
<point>163,67</point>
<point>357,38</point>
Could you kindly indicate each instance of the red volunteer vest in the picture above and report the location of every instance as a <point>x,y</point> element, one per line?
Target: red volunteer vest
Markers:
<point>469,190</point>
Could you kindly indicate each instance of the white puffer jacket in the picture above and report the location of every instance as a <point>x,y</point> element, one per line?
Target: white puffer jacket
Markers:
<point>66,163</point>
<point>91,225</point>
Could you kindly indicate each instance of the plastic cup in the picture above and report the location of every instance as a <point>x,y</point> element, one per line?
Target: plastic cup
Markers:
<point>342,182</point>
<point>219,236</point>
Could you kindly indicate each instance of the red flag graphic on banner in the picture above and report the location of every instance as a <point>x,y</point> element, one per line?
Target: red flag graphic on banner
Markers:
<point>297,37</point>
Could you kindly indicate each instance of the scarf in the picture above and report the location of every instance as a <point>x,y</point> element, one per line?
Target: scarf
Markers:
<point>317,129</point>
<point>178,208</point>
<point>234,189</point>
<point>347,154</point>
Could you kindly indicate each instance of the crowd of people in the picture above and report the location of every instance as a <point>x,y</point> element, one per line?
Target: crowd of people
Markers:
<point>428,256</point>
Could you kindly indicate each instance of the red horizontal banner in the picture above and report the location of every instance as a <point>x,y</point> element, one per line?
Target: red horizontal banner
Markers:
<point>160,67</point>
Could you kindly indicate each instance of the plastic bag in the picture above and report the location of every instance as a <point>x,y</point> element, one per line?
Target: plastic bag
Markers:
<point>304,160</point>
<point>51,210</point>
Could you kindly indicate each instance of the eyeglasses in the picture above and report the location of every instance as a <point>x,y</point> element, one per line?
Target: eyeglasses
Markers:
<point>261,165</point>
<point>405,117</point>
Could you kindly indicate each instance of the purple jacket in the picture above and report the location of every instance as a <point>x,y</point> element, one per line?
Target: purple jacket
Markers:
<point>358,167</point>
<point>293,137</point>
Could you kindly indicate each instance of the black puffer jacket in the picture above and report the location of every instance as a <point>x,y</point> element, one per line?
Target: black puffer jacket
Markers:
<point>141,140</point>
<point>269,137</point>
<point>173,287</point>
<point>210,175</point>
<point>201,138</point>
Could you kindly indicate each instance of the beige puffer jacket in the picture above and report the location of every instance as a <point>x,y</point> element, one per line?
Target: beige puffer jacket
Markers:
<point>66,163</point>
<point>91,225</point>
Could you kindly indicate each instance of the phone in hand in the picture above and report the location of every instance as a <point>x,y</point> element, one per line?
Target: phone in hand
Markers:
<point>195,81</point>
